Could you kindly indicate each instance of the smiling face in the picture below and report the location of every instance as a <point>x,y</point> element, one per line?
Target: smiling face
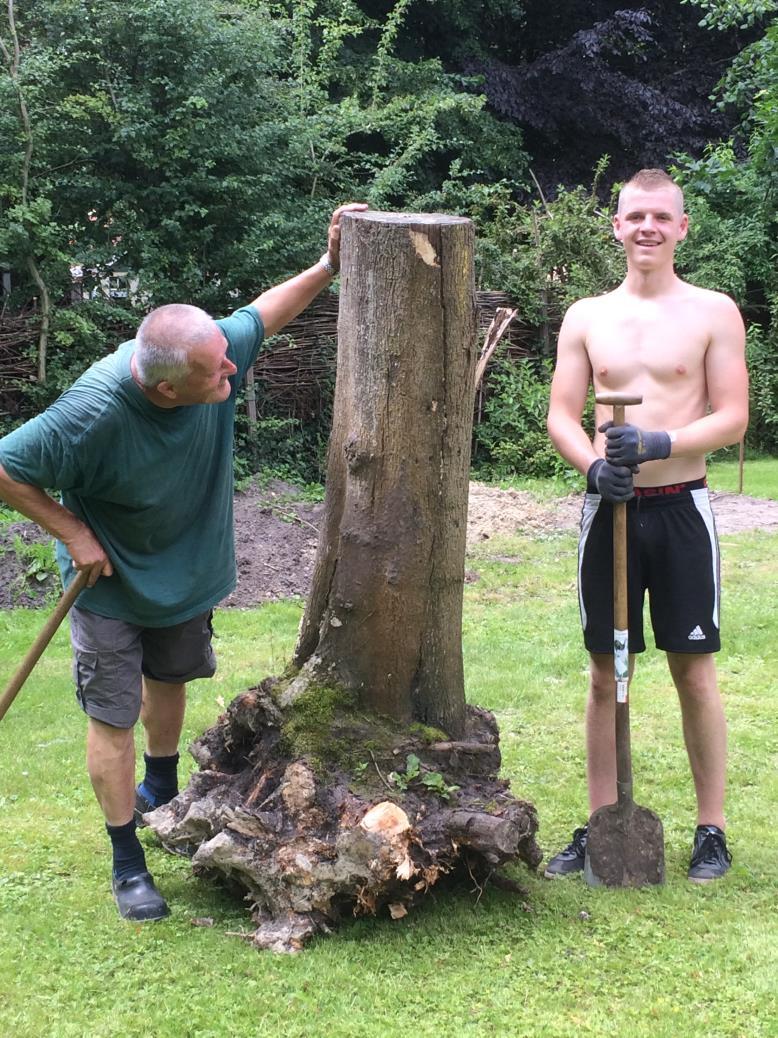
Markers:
<point>649,223</point>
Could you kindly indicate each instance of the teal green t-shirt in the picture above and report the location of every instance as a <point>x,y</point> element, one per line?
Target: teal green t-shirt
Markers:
<point>154,484</point>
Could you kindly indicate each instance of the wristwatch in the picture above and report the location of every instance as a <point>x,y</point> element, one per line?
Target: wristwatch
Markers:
<point>328,265</point>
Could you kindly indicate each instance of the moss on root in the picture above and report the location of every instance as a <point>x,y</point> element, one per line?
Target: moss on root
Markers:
<point>312,728</point>
<point>427,733</point>
<point>326,726</point>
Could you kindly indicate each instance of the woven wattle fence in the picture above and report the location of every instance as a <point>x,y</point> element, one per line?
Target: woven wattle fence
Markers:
<point>296,371</point>
<point>18,337</point>
<point>293,376</point>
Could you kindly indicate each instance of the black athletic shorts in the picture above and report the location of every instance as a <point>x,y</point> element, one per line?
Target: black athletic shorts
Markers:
<point>672,552</point>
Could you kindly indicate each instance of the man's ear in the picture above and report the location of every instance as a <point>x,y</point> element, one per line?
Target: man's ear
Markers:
<point>683,228</point>
<point>616,225</point>
<point>167,389</point>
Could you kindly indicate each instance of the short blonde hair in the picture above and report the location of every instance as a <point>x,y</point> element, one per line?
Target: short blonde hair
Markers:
<point>651,180</point>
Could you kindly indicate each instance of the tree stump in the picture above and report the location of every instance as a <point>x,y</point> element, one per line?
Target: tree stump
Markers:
<point>361,777</point>
<point>385,612</point>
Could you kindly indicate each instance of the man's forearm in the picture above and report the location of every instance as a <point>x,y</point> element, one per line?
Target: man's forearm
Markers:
<point>571,442</point>
<point>85,550</point>
<point>36,504</point>
<point>715,430</point>
<point>282,303</point>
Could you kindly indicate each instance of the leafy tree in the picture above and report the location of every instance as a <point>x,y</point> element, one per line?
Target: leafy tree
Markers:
<point>202,146</point>
<point>731,194</point>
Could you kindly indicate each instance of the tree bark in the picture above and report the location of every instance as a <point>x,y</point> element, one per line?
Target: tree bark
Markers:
<point>385,610</point>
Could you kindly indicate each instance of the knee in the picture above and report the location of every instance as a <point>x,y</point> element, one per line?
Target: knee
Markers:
<point>696,691</point>
<point>107,744</point>
<point>601,681</point>
<point>695,680</point>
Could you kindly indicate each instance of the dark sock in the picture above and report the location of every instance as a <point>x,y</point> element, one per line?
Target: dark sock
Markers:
<point>160,782</point>
<point>128,856</point>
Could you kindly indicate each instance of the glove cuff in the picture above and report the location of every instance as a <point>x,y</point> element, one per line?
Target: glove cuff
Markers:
<point>591,475</point>
<point>663,445</point>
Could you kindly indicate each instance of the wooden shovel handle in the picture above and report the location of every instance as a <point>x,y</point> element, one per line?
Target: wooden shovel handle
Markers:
<point>620,613</point>
<point>621,618</point>
<point>61,610</point>
<point>621,400</point>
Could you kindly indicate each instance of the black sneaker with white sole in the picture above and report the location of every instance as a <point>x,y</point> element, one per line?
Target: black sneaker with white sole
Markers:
<point>571,859</point>
<point>710,857</point>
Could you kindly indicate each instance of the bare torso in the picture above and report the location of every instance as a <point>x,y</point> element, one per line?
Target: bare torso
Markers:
<point>654,347</point>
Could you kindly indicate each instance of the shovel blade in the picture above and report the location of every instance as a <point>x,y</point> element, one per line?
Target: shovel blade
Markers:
<point>625,847</point>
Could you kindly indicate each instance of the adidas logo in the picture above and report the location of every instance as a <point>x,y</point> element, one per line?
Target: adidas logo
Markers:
<point>697,635</point>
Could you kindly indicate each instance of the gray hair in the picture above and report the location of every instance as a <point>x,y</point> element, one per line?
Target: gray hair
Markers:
<point>163,341</point>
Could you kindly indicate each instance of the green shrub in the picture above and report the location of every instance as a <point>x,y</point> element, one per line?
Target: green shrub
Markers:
<point>281,447</point>
<point>762,358</point>
<point>512,439</point>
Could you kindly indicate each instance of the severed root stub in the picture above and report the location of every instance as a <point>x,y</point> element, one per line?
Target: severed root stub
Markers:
<point>312,809</point>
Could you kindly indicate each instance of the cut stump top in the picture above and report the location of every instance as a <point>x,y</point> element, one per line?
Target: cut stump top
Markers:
<point>377,216</point>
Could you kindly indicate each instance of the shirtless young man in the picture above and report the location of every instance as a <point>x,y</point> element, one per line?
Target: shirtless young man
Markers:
<point>683,349</point>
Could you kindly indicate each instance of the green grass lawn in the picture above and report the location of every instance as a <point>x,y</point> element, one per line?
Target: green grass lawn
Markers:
<point>566,961</point>
<point>760,474</point>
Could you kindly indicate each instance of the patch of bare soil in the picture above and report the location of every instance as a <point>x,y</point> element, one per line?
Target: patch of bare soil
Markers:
<point>276,534</point>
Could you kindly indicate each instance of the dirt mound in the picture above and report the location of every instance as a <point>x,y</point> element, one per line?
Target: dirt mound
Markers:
<point>276,532</point>
<point>493,512</point>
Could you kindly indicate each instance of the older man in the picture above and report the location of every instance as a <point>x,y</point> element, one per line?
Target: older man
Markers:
<point>141,448</point>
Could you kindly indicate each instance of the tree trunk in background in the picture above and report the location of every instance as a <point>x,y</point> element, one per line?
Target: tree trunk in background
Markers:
<point>385,610</point>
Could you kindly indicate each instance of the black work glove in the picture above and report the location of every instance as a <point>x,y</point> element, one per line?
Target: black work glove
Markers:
<point>628,445</point>
<point>612,482</point>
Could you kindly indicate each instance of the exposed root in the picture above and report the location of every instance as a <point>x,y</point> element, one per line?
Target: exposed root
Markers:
<point>306,838</point>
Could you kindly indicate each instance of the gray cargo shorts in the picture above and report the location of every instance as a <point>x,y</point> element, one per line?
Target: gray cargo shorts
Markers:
<point>109,657</point>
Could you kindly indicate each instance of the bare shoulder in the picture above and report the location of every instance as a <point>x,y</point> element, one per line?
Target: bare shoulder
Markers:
<point>584,310</point>
<point>718,304</point>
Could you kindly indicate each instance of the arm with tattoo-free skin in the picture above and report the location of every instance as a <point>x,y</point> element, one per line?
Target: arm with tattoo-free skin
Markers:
<point>282,303</point>
<point>569,390</point>
<point>36,504</point>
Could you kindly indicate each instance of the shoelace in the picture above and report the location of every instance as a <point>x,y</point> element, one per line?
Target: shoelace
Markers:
<point>578,845</point>
<point>711,851</point>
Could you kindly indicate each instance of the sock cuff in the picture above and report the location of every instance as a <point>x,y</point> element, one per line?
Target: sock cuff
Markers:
<point>121,830</point>
<point>169,761</point>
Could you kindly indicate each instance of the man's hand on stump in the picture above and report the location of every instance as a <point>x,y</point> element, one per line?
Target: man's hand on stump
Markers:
<point>331,260</point>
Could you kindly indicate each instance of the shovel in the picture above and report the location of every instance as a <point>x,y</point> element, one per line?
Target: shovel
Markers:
<point>60,612</point>
<point>625,845</point>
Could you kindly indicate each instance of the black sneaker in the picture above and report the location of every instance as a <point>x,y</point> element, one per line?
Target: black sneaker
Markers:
<point>710,857</point>
<point>571,859</point>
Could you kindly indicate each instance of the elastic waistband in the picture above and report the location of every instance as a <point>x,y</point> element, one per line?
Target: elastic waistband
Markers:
<point>672,488</point>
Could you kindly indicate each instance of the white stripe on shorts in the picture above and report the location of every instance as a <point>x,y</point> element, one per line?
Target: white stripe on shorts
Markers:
<point>588,512</point>
<point>701,499</point>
